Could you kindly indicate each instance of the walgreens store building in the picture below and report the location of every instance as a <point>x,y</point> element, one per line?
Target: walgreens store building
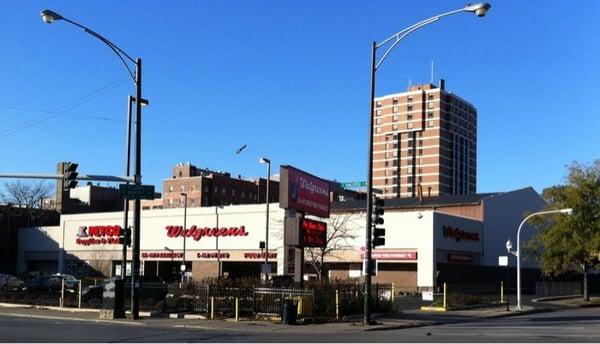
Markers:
<point>425,240</point>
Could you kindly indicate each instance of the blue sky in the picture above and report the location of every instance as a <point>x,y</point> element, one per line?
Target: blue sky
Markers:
<point>290,80</point>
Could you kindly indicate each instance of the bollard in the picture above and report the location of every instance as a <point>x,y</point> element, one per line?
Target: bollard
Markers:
<point>62,293</point>
<point>212,307</point>
<point>501,291</point>
<point>445,295</point>
<point>337,304</point>
<point>393,293</point>
<point>237,309</point>
<point>79,296</point>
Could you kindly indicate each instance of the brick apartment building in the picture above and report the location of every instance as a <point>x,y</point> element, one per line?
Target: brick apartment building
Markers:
<point>425,142</point>
<point>205,188</point>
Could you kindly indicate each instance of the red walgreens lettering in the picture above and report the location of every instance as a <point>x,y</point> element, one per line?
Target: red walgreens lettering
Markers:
<point>197,233</point>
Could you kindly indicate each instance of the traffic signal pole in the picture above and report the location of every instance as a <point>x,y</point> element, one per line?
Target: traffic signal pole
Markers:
<point>126,201</point>
<point>367,261</point>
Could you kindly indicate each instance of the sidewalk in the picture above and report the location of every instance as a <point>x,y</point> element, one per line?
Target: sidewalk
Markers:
<point>408,319</point>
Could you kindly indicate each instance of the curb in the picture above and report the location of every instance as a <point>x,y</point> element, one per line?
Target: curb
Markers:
<point>52,308</point>
<point>403,326</point>
<point>551,298</point>
<point>52,317</point>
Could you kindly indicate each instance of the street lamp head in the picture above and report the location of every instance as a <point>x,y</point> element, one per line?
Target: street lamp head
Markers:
<point>264,161</point>
<point>567,211</point>
<point>509,245</point>
<point>183,194</point>
<point>49,16</point>
<point>480,9</point>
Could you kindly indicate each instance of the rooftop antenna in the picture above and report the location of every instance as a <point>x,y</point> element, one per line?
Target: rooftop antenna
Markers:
<point>431,82</point>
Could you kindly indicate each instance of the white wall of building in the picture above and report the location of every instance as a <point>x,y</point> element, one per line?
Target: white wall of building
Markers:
<point>503,214</point>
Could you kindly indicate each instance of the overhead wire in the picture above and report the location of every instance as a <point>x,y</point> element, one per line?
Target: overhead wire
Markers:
<point>61,110</point>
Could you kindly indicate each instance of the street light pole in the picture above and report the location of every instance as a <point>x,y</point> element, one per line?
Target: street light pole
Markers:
<point>127,168</point>
<point>183,267</point>
<point>566,211</point>
<point>49,17</point>
<point>268,162</point>
<point>480,9</point>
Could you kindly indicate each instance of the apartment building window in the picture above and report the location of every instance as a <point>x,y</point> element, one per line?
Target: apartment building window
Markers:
<point>395,163</point>
<point>395,118</point>
<point>409,143</point>
<point>395,109</point>
<point>395,189</point>
<point>409,179</point>
<point>377,112</point>
<point>170,188</point>
<point>420,134</point>
<point>387,155</point>
<point>410,98</point>
<point>394,101</point>
<point>378,104</point>
<point>430,124</point>
<point>409,189</point>
<point>409,117</point>
<point>378,121</point>
<point>170,203</point>
<point>409,107</point>
<point>206,189</point>
<point>430,105</point>
<point>386,181</point>
<point>420,143</point>
<point>395,154</point>
<point>420,151</point>
<point>182,188</point>
<point>409,153</point>
<point>430,96</point>
<point>378,130</point>
<point>420,179</point>
<point>430,114</point>
<point>420,170</point>
<point>394,180</point>
<point>387,163</point>
<point>409,125</point>
<point>394,126</point>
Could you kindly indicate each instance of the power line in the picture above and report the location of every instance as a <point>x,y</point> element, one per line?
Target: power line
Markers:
<point>95,117</point>
<point>62,110</point>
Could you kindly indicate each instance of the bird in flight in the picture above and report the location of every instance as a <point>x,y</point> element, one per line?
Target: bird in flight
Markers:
<point>239,150</point>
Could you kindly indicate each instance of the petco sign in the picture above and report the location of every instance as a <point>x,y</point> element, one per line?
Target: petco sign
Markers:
<point>98,235</point>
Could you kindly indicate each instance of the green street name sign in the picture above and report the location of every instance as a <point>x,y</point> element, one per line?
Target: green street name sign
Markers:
<point>353,184</point>
<point>133,191</point>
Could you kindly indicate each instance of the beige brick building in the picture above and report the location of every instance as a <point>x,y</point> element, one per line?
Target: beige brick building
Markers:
<point>425,140</point>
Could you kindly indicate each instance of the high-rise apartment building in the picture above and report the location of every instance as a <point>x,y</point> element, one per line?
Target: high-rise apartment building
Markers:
<point>425,143</point>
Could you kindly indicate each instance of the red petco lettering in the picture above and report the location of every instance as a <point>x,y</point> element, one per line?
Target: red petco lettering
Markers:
<point>197,233</point>
<point>458,235</point>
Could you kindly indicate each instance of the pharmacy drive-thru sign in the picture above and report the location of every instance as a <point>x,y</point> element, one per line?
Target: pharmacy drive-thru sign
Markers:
<point>303,192</point>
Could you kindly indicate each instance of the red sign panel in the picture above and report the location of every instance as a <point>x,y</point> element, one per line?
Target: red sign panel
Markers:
<point>313,233</point>
<point>303,192</point>
<point>392,255</point>
<point>162,254</point>
<point>458,235</point>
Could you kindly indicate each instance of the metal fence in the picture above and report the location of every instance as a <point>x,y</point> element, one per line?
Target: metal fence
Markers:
<point>548,289</point>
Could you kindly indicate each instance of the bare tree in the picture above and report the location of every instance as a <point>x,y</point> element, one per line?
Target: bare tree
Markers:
<point>341,232</point>
<point>26,195</point>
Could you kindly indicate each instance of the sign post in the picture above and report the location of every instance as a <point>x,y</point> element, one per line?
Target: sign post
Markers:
<point>503,261</point>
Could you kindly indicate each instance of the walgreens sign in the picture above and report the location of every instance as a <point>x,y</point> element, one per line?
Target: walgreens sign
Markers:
<point>198,233</point>
<point>303,192</point>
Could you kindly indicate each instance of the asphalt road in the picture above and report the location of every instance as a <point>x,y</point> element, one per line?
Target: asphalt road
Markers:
<point>573,325</point>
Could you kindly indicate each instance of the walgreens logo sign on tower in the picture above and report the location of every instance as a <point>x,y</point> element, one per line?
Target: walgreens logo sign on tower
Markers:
<point>303,192</point>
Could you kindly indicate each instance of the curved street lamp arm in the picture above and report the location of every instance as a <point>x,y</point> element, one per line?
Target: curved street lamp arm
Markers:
<point>400,35</point>
<point>118,51</point>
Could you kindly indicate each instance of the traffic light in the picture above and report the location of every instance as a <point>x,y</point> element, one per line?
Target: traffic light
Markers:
<point>125,237</point>
<point>378,233</point>
<point>70,175</point>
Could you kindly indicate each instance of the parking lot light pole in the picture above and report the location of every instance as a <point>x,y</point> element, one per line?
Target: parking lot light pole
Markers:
<point>49,17</point>
<point>183,267</point>
<point>268,162</point>
<point>566,211</point>
<point>480,10</point>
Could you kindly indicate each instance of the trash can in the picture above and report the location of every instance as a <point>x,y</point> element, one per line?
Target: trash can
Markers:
<point>289,313</point>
